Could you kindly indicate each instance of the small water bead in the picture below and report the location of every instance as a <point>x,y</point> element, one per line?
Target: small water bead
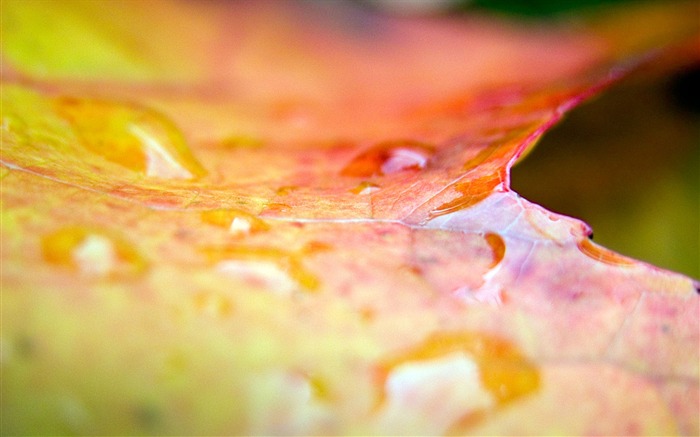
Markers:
<point>389,158</point>
<point>130,135</point>
<point>365,188</point>
<point>277,208</point>
<point>470,192</point>
<point>285,190</point>
<point>238,222</point>
<point>314,247</point>
<point>91,251</point>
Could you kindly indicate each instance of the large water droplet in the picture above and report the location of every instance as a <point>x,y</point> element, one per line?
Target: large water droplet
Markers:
<point>503,371</point>
<point>91,251</point>
<point>426,397</point>
<point>470,192</point>
<point>389,158</point>
<point>132,136</point>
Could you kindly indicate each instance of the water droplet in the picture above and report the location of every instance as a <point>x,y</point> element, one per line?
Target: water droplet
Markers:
<point>277,208</point>
<point>91,251</point>
<point>598,253</point>
<point>503,371</point>
<point>285,190</point>
<point>498,247</point>
<point>313,247</point>
<point>212,304</point>
<point>132,136</point>
<point>238,222</point>
<point>389,158</point>
<point>365,188</point>
<point>470,193</point>
<point>269,266</point>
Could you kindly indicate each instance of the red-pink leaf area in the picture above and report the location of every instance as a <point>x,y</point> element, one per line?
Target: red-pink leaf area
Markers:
<point>295,218</point>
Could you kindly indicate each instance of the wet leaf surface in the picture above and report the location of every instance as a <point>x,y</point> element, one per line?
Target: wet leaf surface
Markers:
<point>313,230</point>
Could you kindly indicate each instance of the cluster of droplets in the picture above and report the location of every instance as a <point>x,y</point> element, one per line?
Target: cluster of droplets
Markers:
<point>144,141</point>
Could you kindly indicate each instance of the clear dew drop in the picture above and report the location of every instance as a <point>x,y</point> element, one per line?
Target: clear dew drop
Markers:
<point>389,158</point>
<point>365,188</point>
<point>238,222</point>
<point>130,135</point>
<point>277,208</point>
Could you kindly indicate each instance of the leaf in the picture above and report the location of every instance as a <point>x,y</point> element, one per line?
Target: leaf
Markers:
<point>311,230</point>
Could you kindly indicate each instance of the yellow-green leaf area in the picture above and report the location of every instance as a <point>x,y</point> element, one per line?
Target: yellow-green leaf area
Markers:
<point>49,39</point>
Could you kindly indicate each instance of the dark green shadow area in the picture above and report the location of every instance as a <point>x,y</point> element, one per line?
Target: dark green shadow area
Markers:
<point>532,8</point>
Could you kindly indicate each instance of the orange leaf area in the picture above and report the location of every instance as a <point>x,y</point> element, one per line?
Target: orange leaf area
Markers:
<point>313,232</point>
